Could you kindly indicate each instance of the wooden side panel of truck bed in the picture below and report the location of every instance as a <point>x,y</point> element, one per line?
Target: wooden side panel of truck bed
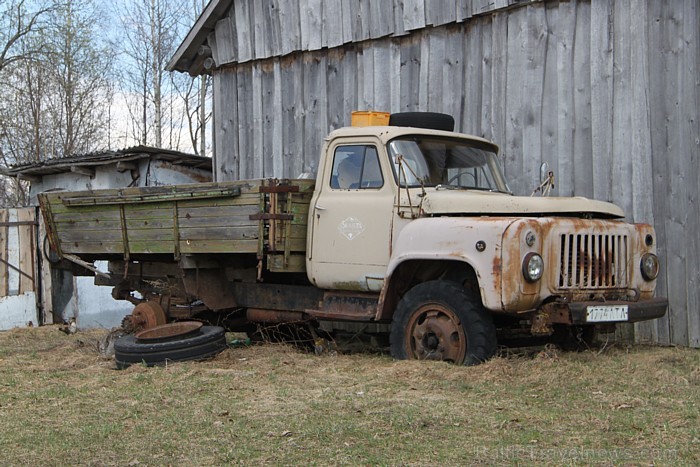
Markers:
<point>251,216</point>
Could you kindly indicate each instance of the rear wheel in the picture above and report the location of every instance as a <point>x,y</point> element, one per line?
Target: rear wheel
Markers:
<point>438,320</point>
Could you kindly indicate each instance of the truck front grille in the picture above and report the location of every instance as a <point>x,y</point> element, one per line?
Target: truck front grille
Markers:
<point>588,261</point>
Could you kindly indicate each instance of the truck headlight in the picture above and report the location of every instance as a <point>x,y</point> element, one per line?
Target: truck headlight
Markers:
<point>533,267</point>
<point>649,266</point>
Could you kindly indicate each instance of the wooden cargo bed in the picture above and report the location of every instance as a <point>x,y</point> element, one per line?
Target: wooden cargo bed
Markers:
<point>263,217</point>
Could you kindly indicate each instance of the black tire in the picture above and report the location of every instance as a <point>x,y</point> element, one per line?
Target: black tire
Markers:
<point>207,342</point>
<point>428,120</point>
<point>438,320</point>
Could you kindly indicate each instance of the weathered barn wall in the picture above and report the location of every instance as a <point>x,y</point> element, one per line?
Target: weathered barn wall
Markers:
<point>605,91</point>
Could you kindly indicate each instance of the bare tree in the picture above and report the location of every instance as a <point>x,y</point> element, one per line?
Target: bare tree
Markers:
<point>56,103</point>
<point>16,22</point>
<point>150,32</point>
<point>81,70</point>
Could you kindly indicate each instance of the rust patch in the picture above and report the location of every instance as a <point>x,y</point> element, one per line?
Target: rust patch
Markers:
<point>258,315</point>
<point>168,331</point>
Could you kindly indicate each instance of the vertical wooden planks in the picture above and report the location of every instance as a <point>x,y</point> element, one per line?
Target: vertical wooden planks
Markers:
<point>453,81</point>
<point>315,98</point>
<point>226,41</point>
<point>409,76</point>
<point>289,22</point>
<point>395,75</point>
<point>583,162</point>
<point>463,10</point>
<point>227,155</point>
<point>46,292</point>
<point>12,254</point>
<point>566,28</point>
<point>499,38</point>
<point>601,72</point>
<point>381,15</point>
<point>4,250</point>
<point>332,24</point>
<point>311,19</point>
<point>516,63</point>
<point>536,37</point>
<point>244,86</point>
<point>268,106</point>
<point>361,21</point>
<point>426,62</point>
<point>382,82</point>
<point>486,117</point>
<point>27,250</point>
<point>277,141</point>
<point>660,331</point>
<point>439,12</point>
<point>257,168</point>
<point>399,28</point>
<point>245,36</point>
<point>676,192</point>
<point>640,117</point>
<point>350,84</point>
<point>365,78</point>
<point>471,97</point>
<point>413,14</point>
<point>347,12</point>
<point>292,83</point>
<point>690,89</point>
<point>334,86</point>
<point>261,47</point>
<point>550,93</point>
<point>622,94</point>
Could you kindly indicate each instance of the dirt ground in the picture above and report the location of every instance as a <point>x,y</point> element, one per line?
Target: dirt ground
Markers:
<point>61,403</point>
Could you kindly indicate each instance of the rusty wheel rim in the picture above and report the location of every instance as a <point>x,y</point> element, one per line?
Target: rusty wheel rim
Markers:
<point>168,331</point>
<point>434,332</point>
<point>147,315</point>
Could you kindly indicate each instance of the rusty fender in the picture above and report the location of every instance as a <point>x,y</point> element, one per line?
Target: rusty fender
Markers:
<point>475,241</point>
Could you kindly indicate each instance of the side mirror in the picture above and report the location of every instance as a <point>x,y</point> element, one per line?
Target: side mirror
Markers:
<point>544,172</point>
<point>546,181</point>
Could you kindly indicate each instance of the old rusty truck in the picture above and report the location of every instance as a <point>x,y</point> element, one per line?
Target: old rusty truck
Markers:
<point>409,232</point>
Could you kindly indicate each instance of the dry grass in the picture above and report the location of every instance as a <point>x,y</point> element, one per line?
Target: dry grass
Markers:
<point>61,403</point>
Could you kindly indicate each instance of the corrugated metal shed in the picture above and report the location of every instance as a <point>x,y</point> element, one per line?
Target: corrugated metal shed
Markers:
<point>134,153</point>
<point>606,91</point>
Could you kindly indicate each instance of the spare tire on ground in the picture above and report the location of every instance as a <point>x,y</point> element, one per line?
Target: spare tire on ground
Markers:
<point>204,343</point>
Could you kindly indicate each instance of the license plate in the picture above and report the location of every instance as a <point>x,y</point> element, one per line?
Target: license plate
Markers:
<point>606,313</point>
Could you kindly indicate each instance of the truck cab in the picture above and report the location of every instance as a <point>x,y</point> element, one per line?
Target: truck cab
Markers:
<point>425,218</point>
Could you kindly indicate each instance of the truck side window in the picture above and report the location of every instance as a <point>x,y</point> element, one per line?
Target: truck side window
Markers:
<point>356,167</point>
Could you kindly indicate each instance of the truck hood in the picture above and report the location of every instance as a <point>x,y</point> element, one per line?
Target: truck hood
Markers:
<point>489,203</point>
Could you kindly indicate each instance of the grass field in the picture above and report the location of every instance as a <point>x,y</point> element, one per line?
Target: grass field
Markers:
<point>63,404</point>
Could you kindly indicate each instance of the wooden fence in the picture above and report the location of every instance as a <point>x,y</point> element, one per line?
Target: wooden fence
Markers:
<point>19,278</point>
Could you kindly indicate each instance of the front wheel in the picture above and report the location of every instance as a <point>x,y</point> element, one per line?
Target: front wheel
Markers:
<point>438,320</point>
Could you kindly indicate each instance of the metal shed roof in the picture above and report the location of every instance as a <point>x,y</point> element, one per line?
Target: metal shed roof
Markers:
<point>70,163</point>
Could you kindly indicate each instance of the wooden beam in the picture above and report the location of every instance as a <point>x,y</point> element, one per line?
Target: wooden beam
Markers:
<point>82,170</point>
<point>124,166</point>
<point>29,178</point>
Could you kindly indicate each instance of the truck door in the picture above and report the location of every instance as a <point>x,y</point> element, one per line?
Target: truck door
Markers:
<point>352,217</point>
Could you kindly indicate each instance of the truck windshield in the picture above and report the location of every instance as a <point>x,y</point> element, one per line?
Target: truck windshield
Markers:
<point>450,163</point>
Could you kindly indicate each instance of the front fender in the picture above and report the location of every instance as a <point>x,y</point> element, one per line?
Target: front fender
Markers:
<point>455,239</point>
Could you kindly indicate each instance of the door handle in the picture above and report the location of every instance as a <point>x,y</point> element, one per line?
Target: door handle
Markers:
<point>319,207</point>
